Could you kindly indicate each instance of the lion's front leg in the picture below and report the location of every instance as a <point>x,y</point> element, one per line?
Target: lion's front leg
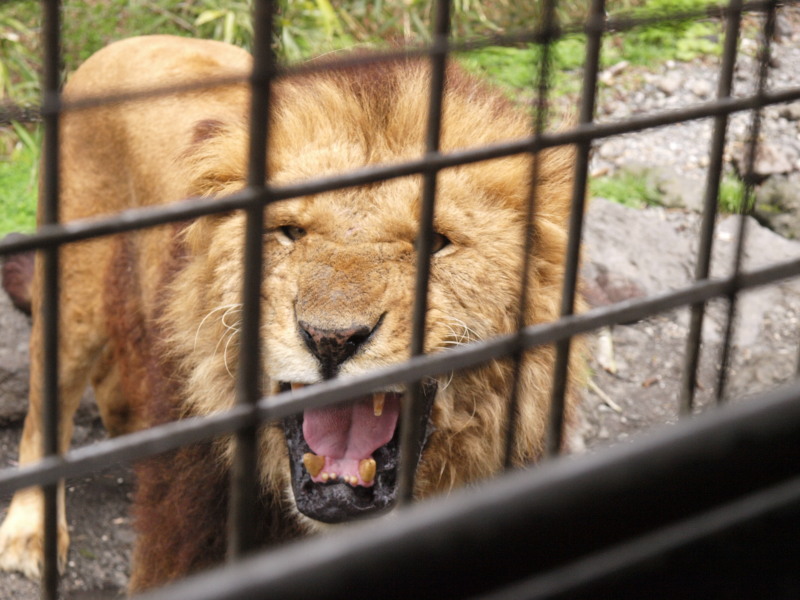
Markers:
<point>22,533</point>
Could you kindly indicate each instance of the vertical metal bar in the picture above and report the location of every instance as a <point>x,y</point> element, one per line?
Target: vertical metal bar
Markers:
<point>589,92</point>
<point>410,428</point>
<point>539,123</point>
<point>747,204</point>
<point>244,474</point>
<point>689,382</point>
<point>49,214</point>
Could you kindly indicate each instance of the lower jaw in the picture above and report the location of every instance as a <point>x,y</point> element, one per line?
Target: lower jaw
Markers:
<point>339,501</point>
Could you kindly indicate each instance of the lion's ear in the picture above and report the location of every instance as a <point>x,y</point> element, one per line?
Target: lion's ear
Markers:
<point>215,158</point>
<point>206,129</point>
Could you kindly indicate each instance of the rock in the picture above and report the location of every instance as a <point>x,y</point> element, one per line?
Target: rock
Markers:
<point>701,88</point>
<point>791,111</point>
<point>670,83</point>
<point>783,26</point>
<point>15,367</point>
<point>681,191</point>
<point>608,75</point>
<point>603,287</point>
<point>13,362</point>
<point>659,237</point>
<point>771,159</point>
<point>778,205</point>
<point>675,189</point>
<point>17,270</point>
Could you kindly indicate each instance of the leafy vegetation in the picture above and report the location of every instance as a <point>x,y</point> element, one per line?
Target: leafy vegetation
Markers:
<point>18,181</point>
<point>309,27</point>
<point>732,195</point>
<point>627,188</point>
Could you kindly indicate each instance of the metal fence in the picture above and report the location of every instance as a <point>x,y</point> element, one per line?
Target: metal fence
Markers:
<point>711,505</point>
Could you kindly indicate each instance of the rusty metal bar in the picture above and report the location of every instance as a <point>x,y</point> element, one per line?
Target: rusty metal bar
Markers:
<point>49,214</point>
<point>245,478</point>
<point>539,122</point>
<point>412,426</point>
<point>746,208</point>
<point>572,261</point>
<point>716,157</point>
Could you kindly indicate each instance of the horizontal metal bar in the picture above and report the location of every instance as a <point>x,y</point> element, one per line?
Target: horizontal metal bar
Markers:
<point>148,442</point>
<point>170,436</point>
<point>462,545</point>
<point>195,207</point>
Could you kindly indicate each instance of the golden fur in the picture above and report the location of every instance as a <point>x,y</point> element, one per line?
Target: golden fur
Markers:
<point>152,317</point>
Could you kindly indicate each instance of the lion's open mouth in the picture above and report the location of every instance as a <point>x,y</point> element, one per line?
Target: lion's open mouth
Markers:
<point>344,457</point>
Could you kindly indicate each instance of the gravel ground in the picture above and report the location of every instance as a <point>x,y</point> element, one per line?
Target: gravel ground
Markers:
<point>629,252</point>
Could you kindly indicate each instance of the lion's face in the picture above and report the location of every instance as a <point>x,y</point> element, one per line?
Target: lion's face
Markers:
<point>338,293</point>
<point>339,301</point>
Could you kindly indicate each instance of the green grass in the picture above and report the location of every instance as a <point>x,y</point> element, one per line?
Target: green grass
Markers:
<point>732,192</point>
<point>18,183</point>
<point>626,188</point>
<point>637,190</point>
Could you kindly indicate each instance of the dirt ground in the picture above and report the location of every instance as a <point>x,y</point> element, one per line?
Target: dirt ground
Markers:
<point>99,523</point>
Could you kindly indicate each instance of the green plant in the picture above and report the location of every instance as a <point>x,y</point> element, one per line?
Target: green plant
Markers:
<point>229,22</point>
<point>627,188</point>
<point>732,191</point>
<point>19,78</point>
<point>18,180</point>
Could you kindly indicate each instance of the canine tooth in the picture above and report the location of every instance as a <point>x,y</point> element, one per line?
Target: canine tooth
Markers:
<point>313,463</point>
<point>377,403</point>
<point>366,468</point>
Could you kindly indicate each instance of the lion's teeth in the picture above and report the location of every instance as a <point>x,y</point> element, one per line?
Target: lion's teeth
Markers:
<point>313,463</point>
<point>366,468</point>
<point>377,403</point>
<point>324,477</point>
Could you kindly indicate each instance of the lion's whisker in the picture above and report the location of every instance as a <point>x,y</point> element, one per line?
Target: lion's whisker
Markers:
<point>226,308</point>
<point>231,335</point>
<point>232,309</point>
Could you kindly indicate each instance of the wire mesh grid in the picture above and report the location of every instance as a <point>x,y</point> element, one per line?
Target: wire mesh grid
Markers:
<point>454,565</point>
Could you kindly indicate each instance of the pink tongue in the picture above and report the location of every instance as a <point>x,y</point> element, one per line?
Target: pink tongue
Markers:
<point>352,430</point>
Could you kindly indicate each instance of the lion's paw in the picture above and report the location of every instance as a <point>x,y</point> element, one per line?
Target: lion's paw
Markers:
<point>22,540</point>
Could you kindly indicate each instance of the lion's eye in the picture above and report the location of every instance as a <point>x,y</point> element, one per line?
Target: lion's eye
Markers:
<point>293,232</point>
<point>439,242</point>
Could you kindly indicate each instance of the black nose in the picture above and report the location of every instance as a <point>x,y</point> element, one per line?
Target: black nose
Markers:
<point>331,347</point>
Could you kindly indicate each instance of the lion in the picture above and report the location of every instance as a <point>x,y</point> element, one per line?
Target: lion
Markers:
<point>152,318</point>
